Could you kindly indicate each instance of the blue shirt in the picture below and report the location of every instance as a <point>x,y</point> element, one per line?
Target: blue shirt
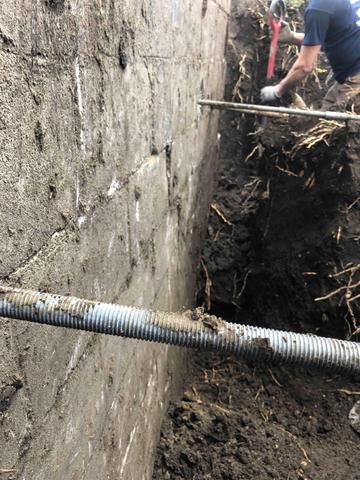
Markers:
<point>335,25</point>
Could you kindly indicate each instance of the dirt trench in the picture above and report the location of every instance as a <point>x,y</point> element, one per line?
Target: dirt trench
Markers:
<point>284,222</point>
<point>282,251</point>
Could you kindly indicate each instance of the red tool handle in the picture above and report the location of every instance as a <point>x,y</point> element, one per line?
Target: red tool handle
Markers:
<point>276,27</point>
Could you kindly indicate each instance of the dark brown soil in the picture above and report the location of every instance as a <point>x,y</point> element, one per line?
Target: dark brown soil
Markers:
<point>282,226</point>
<point>237,421</point>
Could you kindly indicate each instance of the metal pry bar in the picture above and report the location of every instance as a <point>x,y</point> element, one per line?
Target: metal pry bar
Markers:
<point>265,109</point>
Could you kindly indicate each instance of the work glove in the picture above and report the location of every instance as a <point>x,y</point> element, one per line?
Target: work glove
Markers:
<point>269,94</point>
<point>286,35</point>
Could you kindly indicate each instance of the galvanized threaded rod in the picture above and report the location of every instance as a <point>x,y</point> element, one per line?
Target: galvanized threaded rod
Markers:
<point>251,109</point>
<point>182,330</point>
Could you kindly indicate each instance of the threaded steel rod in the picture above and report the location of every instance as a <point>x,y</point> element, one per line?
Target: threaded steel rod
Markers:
<point>184,330</point>
<point>247,108</point>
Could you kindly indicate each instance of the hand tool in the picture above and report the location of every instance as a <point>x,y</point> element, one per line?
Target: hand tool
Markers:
<point>277,14</point>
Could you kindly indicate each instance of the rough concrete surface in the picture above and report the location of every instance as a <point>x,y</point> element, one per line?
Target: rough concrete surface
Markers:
<point>105,177</point>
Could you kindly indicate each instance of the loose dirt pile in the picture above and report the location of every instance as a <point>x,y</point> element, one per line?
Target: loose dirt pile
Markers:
<point>282,251</point>
<point>237,421</point>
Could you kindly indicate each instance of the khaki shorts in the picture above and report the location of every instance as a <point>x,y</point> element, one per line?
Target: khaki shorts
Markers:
<point>341,94</point>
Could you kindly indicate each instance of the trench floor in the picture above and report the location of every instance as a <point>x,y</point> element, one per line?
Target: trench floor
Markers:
<point>240,421</point>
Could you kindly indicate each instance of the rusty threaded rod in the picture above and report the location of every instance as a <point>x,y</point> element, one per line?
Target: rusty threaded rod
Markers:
<point>184,330</point>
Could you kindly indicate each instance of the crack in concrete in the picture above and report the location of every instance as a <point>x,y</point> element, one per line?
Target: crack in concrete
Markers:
<point>59,235</point>
<point>34,20</point>
<point>228,14</point>
<point>89,349</point>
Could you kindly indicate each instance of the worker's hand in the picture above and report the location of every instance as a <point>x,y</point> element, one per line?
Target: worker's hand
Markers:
<point>286,36</point>
<point>269,94</point>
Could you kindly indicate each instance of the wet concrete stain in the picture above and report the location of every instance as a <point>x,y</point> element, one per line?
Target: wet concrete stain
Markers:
<point>8,392</point>
<point>39,136</point>
<point>126,44</point>
<point>204,8</point>
<point>57,6</point>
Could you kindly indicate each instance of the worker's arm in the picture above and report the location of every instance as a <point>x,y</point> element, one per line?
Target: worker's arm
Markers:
<point>303,66</point>
<point>317,24</point>
<point>300,70</point>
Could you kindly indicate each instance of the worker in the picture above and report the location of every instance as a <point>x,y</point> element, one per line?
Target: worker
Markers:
<point>334,26</point>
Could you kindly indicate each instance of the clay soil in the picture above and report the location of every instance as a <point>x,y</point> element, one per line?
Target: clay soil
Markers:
<point>284,232</point>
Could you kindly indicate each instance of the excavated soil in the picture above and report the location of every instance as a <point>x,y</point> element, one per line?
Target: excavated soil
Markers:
<point>283,238</point>
<point>239,421</point>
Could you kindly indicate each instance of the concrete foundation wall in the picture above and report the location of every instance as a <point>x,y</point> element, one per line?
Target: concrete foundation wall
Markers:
<point>105,177</point>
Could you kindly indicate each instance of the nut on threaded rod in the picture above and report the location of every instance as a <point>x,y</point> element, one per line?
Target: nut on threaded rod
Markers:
<point>208,333</point>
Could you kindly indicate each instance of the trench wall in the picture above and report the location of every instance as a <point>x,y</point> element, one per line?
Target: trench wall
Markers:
<point>106,168</point>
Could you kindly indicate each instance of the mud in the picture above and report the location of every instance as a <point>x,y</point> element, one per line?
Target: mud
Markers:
<point>282,251</point>
<point>211,321</point>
